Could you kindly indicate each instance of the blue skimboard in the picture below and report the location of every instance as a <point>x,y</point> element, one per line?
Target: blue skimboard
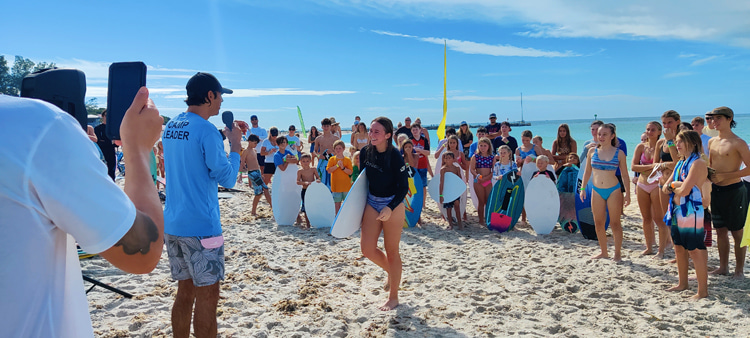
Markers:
<point>414,200</point>
<point>583,210</point>
<point>505,203</point>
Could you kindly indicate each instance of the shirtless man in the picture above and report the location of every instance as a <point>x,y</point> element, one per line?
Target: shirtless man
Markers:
<point>324,150</point>
<point>728,197</point>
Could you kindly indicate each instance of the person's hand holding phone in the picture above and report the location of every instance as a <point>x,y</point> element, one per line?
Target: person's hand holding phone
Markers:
<point>141,126</point>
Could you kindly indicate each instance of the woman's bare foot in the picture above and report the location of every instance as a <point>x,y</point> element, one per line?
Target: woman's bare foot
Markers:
<point>389,305</point>
<point>678,287</point>
<point>617,258</point>
<point>647,252</point>
<point>599,256</point>
<point>698,296</point>
<point>674,261</point>
<point>738,275</point>
<point>659,255</point>
<point>720,271</point>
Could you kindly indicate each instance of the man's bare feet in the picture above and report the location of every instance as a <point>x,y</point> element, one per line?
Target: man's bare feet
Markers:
<point>647,252</point>
<point>720,271</point>
<point>599,256</point>
<point>674,261</point>
<point>617,258</point>
<point>389,305</point>
<point>659,255</point>
<point>678,287</point>
<point>738,275</point>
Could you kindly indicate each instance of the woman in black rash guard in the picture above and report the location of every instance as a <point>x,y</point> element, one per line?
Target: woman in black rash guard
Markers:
<point>384,211</point>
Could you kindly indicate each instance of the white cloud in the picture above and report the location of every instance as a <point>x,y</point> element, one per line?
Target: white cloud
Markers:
<point>695,20</point>
<point>687,55</point>
<point>704,60</point>
<point>101,91</point>
<point>677,74</point>
<point>277,92</point>
<point>541,97</point>
<point>470,47</point>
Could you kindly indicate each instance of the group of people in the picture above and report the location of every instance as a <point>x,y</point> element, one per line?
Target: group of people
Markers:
<point>129,228</point>
<point>690,184</point>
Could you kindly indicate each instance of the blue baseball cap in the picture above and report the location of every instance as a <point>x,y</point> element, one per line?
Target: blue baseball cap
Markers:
<point>464,123</point>
<point>493,115</point>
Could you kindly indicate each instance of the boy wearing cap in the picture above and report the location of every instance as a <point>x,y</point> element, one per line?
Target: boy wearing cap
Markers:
<point>195,164</point>
<point>728,194</point>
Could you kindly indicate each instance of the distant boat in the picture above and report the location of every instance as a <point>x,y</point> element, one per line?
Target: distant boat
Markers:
<point>522,122</point>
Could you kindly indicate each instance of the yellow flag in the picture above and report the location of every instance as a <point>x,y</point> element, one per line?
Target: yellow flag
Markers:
<point>441,127</point>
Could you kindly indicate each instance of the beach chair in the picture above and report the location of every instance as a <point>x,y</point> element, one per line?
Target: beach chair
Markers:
<point>84,255</point>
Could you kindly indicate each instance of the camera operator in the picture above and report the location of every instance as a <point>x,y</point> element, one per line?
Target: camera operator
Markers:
<point>54,188</point>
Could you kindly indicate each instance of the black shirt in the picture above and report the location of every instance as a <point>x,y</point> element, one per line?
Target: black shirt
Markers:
<point>512,143</point>
<point>386,173</point>
<point>105,144</point>
<point>404,130</point>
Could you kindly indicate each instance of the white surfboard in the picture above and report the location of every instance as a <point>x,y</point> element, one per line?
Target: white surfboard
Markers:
<point>542,204</point>
<point>319,206</point>
<point>286,195</point>
<point>349,218</point>
<point>528,170</point>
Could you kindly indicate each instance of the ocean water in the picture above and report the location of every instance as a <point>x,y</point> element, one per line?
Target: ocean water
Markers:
<point>629,129</point>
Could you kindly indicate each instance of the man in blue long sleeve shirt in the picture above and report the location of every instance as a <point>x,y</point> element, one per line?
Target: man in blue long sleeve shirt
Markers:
<point>195,164</point>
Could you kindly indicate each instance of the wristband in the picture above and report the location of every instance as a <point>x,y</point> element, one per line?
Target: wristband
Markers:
<point>583,188</point>
<point>670,143</point>
<point>441,195</point>
<point>672,185</point>
<point>284,159</point>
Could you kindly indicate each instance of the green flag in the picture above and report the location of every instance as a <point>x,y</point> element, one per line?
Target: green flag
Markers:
<point>301,122</point>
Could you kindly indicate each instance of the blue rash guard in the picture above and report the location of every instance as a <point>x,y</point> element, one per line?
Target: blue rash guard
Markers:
<point>195,164</point>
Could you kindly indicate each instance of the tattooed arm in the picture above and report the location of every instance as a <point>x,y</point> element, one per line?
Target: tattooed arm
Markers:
<point>140,249</point>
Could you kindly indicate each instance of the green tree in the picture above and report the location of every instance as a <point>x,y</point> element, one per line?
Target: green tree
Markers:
<point>10,81</point>
<point>92,107</point>
<point>5,83</point>
<point>166,119</point>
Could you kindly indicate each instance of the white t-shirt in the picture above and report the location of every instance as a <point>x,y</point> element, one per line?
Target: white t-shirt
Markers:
<point>293,144</point>
<point>269,148</point>
<point>53,188</point>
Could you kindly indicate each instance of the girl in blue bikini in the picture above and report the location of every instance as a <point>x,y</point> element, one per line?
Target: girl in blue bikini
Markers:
<point>607,188</point>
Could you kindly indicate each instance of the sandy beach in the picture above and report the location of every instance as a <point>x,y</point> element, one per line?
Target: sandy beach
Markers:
<point>283,281</point>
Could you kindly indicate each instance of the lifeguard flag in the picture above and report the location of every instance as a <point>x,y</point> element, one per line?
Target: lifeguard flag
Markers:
<point>441,127</point>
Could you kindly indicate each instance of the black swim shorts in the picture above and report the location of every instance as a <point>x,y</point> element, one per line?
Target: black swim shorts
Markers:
<point>729,206</point>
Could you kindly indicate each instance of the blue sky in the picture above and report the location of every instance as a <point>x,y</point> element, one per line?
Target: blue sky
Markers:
<point>571,59</point>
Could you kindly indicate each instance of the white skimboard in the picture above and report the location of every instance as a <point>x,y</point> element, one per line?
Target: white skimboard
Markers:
<point>453,187</point>
<point>349,218</point>
<point>286,195</point>
<point>542,204</point>
<point>319,205</point>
